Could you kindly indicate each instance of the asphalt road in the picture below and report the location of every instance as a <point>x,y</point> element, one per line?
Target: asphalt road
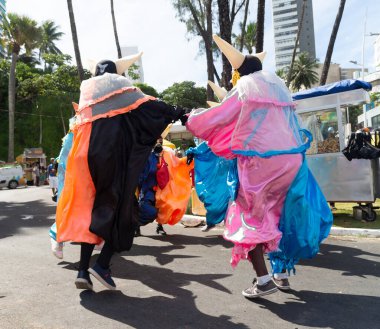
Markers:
<point>183,280</point>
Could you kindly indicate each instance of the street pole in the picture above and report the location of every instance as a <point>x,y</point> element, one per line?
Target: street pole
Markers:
<point>364,106</point>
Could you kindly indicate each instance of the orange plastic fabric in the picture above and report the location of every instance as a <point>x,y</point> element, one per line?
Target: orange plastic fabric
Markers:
<point>172,201</point>
<point>73,216</point>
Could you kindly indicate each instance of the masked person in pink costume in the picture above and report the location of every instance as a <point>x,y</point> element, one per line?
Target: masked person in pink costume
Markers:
<point>256,124</point>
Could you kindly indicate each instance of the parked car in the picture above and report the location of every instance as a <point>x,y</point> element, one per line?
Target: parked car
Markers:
<point>11,176</point>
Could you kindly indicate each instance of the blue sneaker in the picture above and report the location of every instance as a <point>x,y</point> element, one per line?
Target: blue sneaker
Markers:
<point>103,276</point>
<point>83,280</point>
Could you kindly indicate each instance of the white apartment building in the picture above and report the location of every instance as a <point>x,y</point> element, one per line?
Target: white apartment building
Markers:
<point>286,15</point>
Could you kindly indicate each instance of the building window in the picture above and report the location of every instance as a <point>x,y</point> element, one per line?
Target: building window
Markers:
<point>376,121</point>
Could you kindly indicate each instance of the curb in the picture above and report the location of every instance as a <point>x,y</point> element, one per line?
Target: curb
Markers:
<point>359,232</point>
<point>193,220</point>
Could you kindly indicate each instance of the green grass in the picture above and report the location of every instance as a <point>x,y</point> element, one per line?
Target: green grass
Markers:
<point>343,217</point>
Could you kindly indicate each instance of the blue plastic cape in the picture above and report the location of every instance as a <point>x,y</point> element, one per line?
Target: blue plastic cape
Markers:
<point>62,161</point>
<point>216,181</point>
<point>333,88</point>
<point>147,199</point>
<point>305,221</point>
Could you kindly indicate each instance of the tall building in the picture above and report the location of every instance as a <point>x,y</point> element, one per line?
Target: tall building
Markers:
<point>286,15</point>
<point>126,51</point>
<point>3,10</point>
<point>377,53</point>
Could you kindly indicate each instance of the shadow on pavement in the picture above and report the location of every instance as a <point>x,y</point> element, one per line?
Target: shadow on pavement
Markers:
<point>326,310</point>
<point>154,312</point>
<point>14,216</point>
<point>348,260</point>
<point>159,279</point>
<point>207,240</point>
<point>175,310</point>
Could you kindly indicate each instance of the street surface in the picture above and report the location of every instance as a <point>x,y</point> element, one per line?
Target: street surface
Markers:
<point>182,280</point>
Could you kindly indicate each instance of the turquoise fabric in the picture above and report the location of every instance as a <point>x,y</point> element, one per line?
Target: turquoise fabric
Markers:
<point>62,161</point>
<point>216,181</point>
<point>305,221</point>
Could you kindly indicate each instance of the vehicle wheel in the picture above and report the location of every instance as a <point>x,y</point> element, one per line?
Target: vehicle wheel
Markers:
<point>370,216</point>
<point>12,184</point>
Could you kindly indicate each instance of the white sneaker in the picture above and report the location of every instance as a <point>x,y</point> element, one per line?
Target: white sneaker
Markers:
<point>207,228</point>
<point>57,248</point>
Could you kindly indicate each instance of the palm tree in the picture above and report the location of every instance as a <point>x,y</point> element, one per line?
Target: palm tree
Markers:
<point>296,43</point>
<point>115,31</point>
<point>330,47</point>
<point>19,31</point>
<point>75,40</point>
<point>50,35</point>
<point>247,39</point>
<point>260,26</point>
<point>304,74</point>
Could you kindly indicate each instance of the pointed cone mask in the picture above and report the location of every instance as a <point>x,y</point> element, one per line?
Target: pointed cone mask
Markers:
<point>122,64</point>
<point>234,56</point>
<point>90,65</point>
<point>219,92</point>
<point>166,131</point>
<point>75,106</point>
<point>212,104</point>
<point>261,56</point>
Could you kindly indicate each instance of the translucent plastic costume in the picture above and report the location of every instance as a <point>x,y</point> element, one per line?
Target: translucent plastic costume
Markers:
<point>216,182</point>
<point>172,200</point>
<point>256,125</point>
<point>116,128</point>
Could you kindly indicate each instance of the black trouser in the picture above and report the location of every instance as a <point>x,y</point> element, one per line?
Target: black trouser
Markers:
<point>104,257</point>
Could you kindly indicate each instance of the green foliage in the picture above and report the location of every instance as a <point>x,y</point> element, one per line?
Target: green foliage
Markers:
<point>375,98</point>
<point>185,94</point>
<point>49,36</point>
<point>133,72</point>
<point>303,73</point>
<point>39,93</point>
<point>20,31</point>
<point>146,89</point>
<point>249,37</point>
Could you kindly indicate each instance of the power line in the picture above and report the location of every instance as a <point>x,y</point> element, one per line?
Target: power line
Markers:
<point>42,115</point>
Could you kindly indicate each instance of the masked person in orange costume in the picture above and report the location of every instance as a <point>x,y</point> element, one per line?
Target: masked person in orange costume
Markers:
<point>116,128</point>
<point>173,192</point>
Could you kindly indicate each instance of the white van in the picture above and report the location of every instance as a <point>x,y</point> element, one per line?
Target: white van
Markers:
<point>11,176</point>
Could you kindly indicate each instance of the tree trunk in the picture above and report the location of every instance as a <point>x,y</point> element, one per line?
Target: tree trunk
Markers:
<point>296,43</point>
<point>330,48</point>
<point>225,33</point>
<point>208,45</point>
<point>12,105</point>
<point>260,26</point>
<point>75,40</point>
<point>244,26</point>
<point>115,31</point>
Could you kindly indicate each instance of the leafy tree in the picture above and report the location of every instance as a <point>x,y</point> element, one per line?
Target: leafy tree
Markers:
<point>185,94</point>
<point>198,17</point>
<point>146,89</point>
<point>304,74</point>
<point>296,43</point>
<point>247,39</point>
<point>50,35</point>
<point>330,48</point>
<point>19,31</point>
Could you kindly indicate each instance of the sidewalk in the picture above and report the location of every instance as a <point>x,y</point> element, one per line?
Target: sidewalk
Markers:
<point>191,221</point>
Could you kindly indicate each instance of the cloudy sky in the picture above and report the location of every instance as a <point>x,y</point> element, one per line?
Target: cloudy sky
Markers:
<point>169,55</point>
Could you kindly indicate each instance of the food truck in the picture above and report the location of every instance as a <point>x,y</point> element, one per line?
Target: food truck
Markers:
<point>324,111</point>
